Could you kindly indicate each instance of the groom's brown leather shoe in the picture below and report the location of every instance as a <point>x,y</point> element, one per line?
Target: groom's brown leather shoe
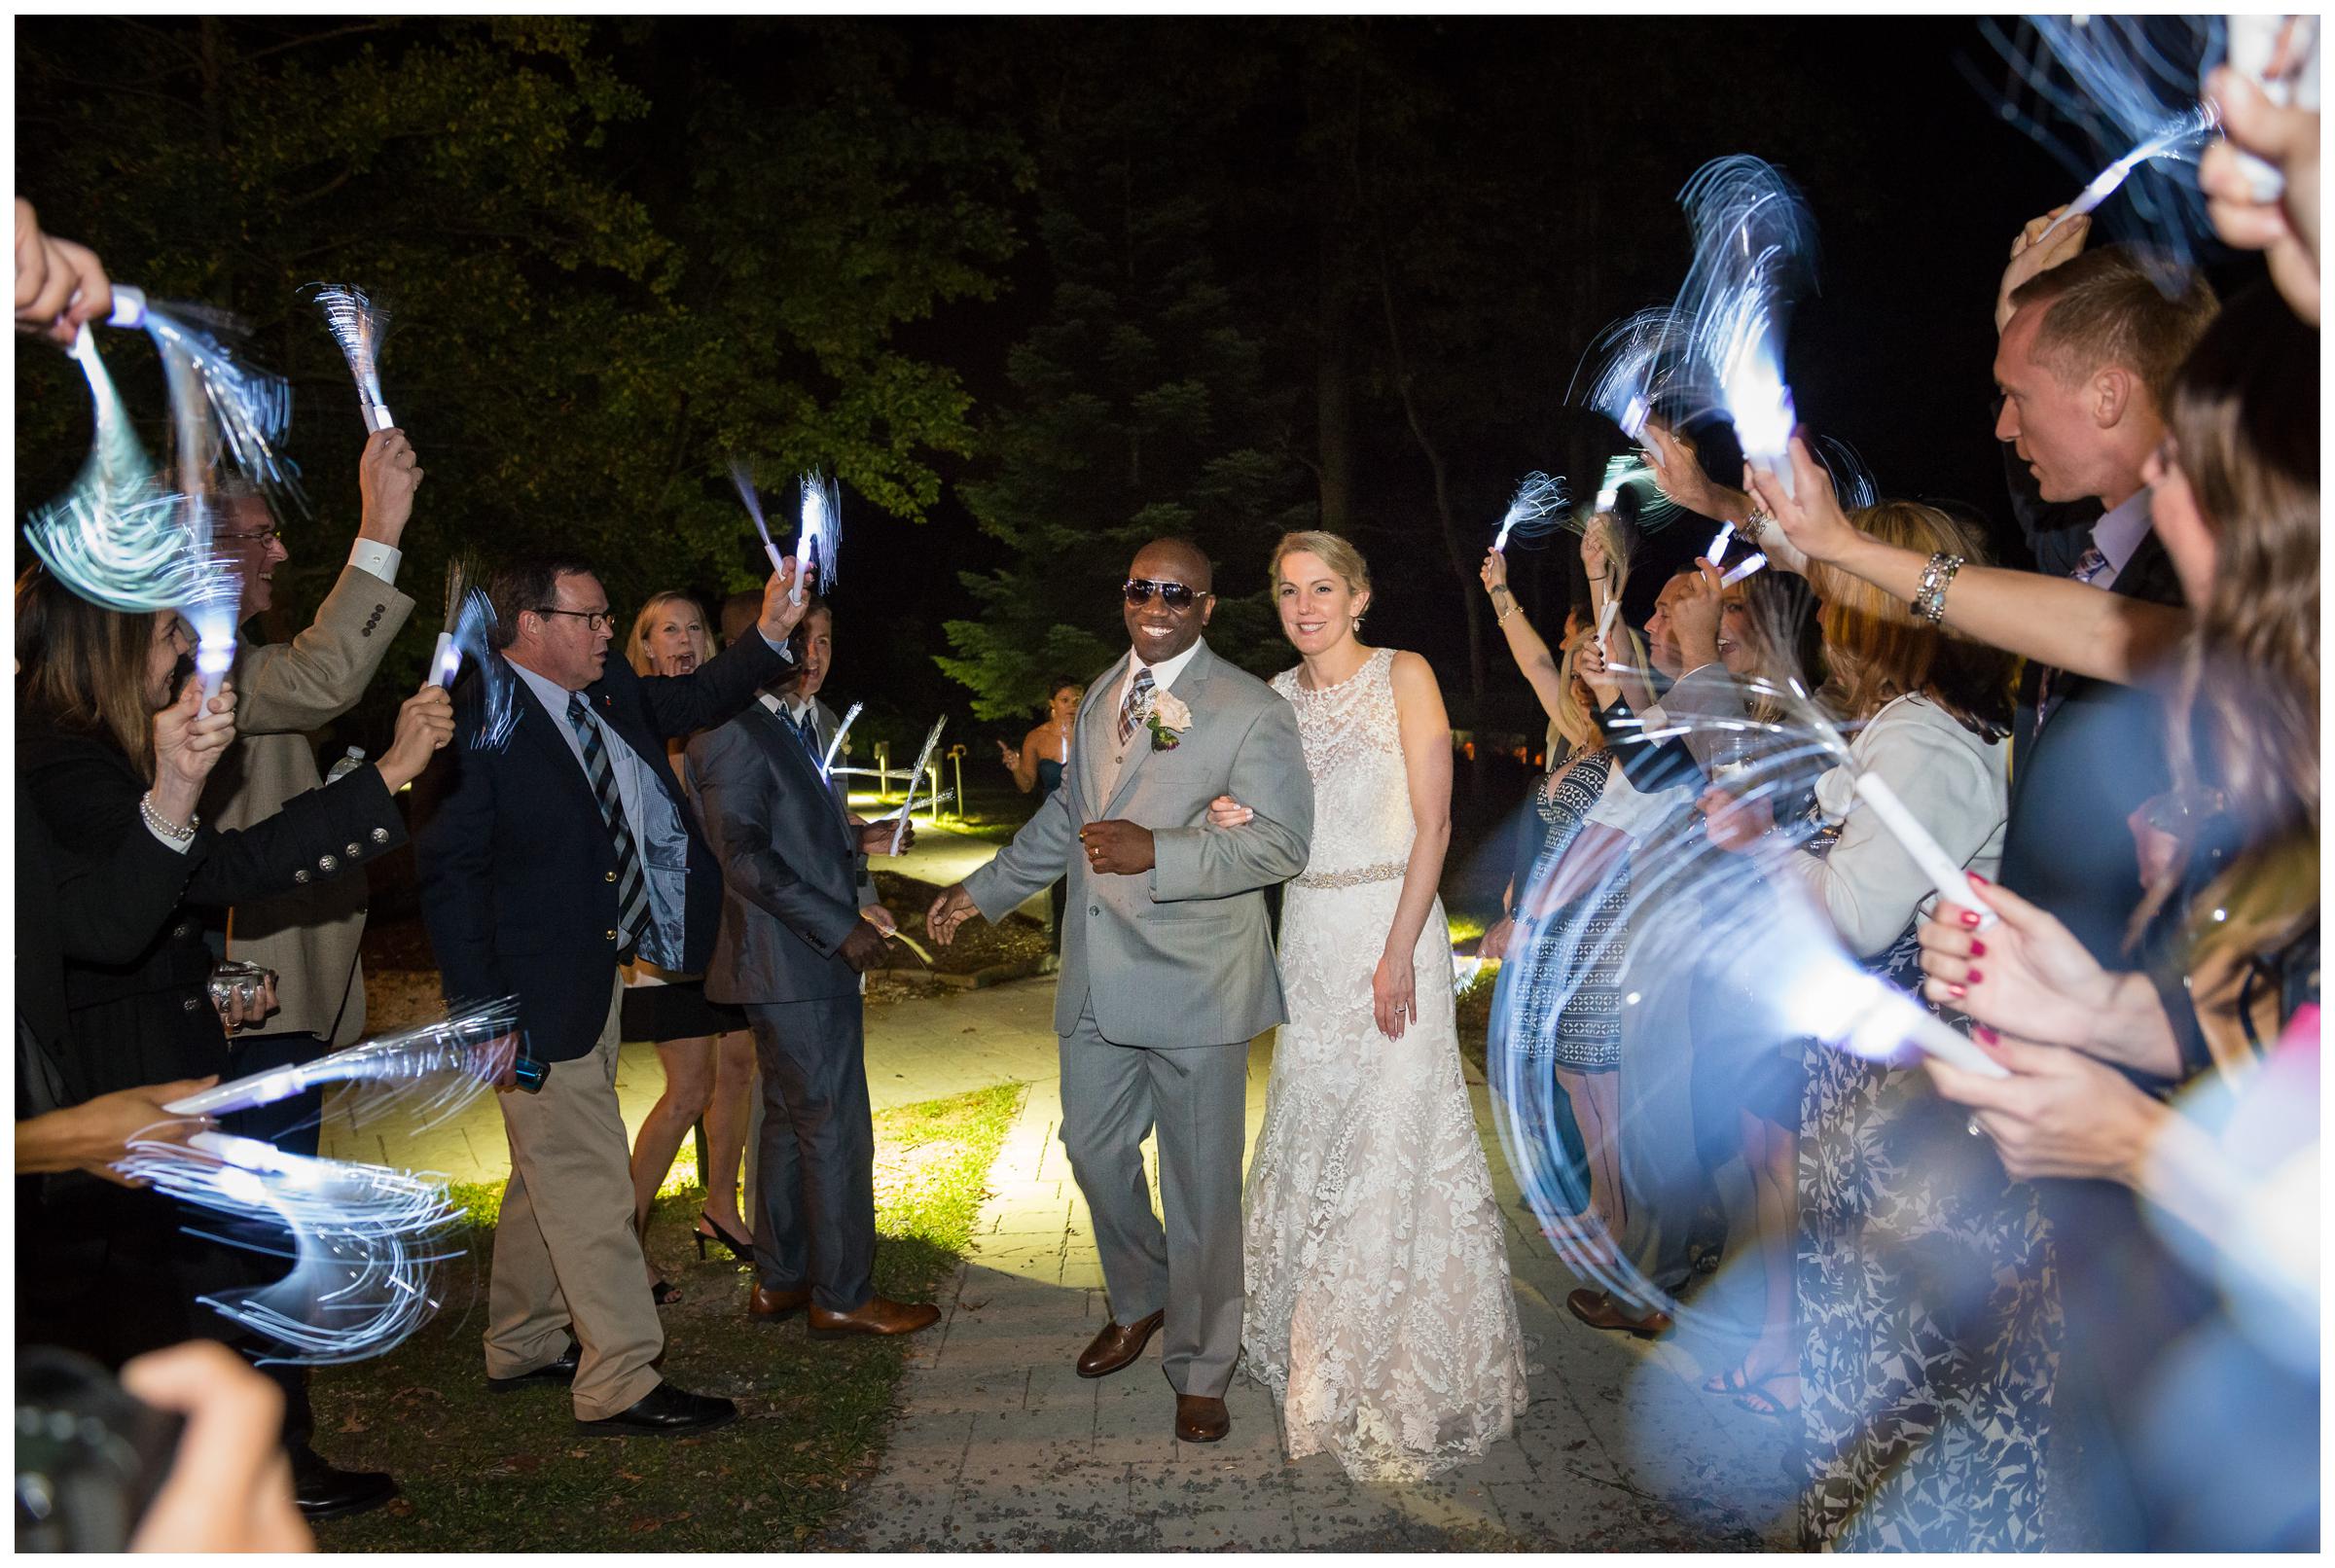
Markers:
<point>1200,1419</point>
<point>1600,1311</point>
<point>876,1315</point>
<point>771,1306</point>
<point>1118,1346</point>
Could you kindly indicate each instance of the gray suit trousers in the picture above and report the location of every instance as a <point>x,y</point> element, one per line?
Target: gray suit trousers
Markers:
<point>816,1220</point>
<point>1112,1097</point>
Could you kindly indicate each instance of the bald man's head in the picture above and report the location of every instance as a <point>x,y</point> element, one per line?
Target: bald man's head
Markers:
<point>1165,571</point>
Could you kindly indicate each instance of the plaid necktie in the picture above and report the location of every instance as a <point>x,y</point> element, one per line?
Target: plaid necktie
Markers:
<point>631,886</point>
<point>1134,704</point>
<point>2088,570</point>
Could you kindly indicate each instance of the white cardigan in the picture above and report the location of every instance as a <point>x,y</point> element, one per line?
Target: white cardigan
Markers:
<point>1954,783</point>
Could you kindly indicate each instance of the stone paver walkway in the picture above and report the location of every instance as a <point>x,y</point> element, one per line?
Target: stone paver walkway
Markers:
<point>1000,1444</point>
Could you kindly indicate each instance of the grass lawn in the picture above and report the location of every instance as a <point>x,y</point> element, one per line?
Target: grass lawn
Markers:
<point>486,1471</point>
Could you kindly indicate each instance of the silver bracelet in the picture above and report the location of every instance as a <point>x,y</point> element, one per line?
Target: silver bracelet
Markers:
<point>1755,526</point>
<point>164,825</point>
<point>1929,599</point>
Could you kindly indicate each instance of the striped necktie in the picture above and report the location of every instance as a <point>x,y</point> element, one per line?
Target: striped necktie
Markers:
<point>1134,704</point>
<point>807,725</point>
<point>631,886</point>
<point>2089,570</point>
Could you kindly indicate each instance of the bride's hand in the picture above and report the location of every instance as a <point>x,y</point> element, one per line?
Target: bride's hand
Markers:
<point>1393,994</point>
<point>1226,813</point>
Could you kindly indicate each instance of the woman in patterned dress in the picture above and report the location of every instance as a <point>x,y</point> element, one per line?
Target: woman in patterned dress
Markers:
<point>1928,1309</point>
<point>1380,1310</point>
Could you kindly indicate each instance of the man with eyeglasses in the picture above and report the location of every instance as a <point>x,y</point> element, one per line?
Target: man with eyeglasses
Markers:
<point>308,936</point>
<point>561,849</point>
<point>1167,965</point>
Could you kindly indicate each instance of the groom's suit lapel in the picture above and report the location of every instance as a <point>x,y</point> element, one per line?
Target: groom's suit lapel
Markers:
<point>1190,689</point>
<point>1096,734</point>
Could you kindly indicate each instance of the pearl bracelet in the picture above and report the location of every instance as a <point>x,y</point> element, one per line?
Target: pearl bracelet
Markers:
<point>164,825</point>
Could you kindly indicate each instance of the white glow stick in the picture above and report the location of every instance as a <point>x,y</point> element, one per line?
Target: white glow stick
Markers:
<point>743,477</point>
<point>1606,624</point>
<point>827,763</point>
<point>932,738</point>
<point>1718,543</point>
<point>1744,570</point>
<point>445,661</point>
<point>1949,878</point>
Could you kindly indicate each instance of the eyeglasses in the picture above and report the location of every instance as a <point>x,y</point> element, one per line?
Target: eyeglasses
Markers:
<point>593,620</point>
<point>1174,596</point>
<point>263,537</point>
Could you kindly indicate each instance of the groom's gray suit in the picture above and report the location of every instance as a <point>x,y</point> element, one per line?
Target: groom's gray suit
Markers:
<point>1166,976</point>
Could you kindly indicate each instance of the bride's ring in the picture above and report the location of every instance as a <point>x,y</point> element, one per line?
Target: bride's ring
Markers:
<point>1755,526</point>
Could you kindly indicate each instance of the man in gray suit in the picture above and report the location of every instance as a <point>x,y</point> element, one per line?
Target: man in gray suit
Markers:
<point>791,948</point>
<point>1167,968</point>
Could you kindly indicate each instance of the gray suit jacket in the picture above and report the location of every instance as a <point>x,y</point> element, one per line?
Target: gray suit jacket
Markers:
<point>1181,955</point>
<point>790,862</point>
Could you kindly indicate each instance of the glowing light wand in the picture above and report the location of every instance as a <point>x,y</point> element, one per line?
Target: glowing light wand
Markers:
<point>253,408</point>
<point>835,747</point>
<point>742,476</point>
<point>823,525</point>
<point>2181,139</point>
<point>1539,497</point>
<point>932,738</point>
<point>445,657</point>
<point>358,326</point>
<point>446,1062</point>
<point>116,537</point>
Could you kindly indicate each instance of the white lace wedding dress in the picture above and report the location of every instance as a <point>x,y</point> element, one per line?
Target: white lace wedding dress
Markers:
<point>1380,1310</point>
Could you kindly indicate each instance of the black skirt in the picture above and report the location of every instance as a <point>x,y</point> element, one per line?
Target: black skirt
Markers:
<point>675,1011</point>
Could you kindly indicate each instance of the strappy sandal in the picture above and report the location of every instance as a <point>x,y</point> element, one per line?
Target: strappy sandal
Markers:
<point>1769,1407</point>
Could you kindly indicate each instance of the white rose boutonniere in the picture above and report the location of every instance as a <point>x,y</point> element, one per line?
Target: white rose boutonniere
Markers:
<point>1167,720</point>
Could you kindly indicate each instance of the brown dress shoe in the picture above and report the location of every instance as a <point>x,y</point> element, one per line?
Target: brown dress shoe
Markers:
<point>1118,1346</point>
<point>1199,1419</point>
<point>772,1305</point>
<point>1600,1311</point>
<point>875,1316</point>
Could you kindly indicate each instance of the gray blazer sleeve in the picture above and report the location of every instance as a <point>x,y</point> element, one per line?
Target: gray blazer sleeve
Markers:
<point>1039,854</point>
<point>1270,778</point>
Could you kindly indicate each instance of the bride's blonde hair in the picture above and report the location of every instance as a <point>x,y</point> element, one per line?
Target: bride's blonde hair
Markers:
<point>1336,554</point>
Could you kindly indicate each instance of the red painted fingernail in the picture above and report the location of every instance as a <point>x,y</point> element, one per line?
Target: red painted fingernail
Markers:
<point>1989,1035</point>
<point>1978,949</point>
<point>1975,878</point>
<point>1976,977</point>
<point>1970,918</point>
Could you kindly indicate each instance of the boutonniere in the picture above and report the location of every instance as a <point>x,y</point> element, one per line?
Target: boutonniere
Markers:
<point>1167,720</point>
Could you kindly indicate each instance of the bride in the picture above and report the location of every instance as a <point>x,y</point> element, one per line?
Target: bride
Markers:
<point>1379,1306</point>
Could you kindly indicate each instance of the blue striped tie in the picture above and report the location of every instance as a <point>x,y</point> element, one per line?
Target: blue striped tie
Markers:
<point>631,886</point>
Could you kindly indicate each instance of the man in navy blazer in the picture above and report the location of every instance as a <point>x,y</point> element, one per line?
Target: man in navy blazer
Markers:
<point>561,847</point>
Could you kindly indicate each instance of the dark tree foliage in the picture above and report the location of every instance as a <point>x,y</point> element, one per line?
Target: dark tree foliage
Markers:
<point>614,264</point>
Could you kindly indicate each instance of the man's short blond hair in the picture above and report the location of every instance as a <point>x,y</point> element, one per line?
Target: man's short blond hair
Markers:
<point>2118,305</point>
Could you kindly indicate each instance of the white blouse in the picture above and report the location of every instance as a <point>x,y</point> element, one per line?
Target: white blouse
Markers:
<point>1957,784</point>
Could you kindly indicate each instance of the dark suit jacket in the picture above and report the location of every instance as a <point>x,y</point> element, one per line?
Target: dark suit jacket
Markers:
<point>132,962</point>
<point>790,861</point>
<point>2098,753</point>
<point>517,872</point>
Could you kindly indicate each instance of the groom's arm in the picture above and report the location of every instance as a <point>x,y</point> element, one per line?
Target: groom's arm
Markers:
<point>1270,778</point>
<point>1039,854</point>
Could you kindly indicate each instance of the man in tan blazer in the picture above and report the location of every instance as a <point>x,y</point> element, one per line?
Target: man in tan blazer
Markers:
<point>309,937</point>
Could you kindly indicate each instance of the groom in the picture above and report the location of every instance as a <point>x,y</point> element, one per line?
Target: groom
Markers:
<point>1167,968</point>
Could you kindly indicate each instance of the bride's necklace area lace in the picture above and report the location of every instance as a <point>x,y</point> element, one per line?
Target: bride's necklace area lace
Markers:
<point>1351,718</point>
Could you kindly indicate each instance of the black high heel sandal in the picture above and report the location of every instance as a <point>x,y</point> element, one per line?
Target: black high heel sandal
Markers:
<point>663,1293</point>
<point>742,1251</point>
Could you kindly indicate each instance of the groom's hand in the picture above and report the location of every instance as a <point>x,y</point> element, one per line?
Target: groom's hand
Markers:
<point>1116,848</point>
<point>948,912</point>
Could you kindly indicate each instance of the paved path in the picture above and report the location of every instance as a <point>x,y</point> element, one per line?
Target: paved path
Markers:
<point>1000,1444</point>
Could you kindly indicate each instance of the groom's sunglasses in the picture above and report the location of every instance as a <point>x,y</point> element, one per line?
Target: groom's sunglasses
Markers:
<point>1174,596</point>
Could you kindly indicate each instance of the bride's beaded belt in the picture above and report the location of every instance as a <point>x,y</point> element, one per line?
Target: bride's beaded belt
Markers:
<point>1391,872</point>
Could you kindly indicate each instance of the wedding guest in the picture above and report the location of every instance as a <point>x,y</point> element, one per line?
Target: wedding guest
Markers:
<point>1930,1319</point>
<point>1568,951</point>
<point>1379,1304</point>
<point>703,1048</point>
<point>2231,947</point>
<point>1038,766</point>
<point>118,1273</point>
<point>535,889</point>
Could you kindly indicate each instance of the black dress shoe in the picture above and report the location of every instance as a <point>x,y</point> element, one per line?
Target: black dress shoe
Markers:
<point>324,1491</point>
<point>562,1371</point>
<point>663,1411</point>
